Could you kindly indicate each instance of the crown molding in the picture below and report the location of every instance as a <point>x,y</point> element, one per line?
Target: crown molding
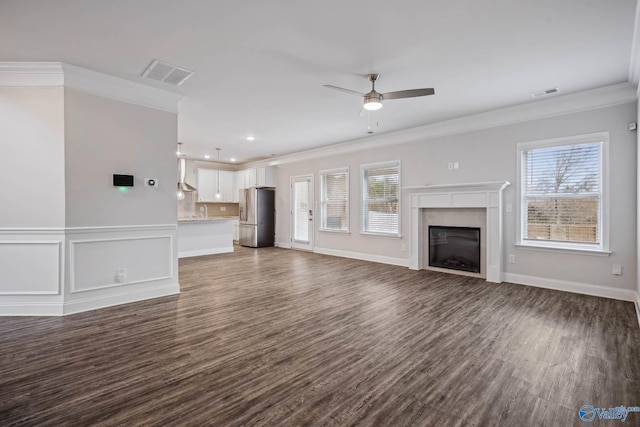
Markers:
<point>31,74</point>
<point>592,99</point>
<point>58,74</point>
<point>119,89</point>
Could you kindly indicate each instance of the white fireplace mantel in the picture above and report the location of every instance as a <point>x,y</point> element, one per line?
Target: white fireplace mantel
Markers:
<point>486,195</point>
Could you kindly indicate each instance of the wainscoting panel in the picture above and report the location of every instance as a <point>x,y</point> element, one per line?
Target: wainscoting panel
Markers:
<point>94,263</point>
<point>30,267</point>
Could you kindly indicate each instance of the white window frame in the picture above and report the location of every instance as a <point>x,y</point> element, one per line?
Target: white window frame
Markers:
<point>322,174</point>
<point>363,188</point>
<point>601,248</point>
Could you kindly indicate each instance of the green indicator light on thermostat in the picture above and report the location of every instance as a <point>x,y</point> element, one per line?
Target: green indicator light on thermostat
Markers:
<point>123,189</point>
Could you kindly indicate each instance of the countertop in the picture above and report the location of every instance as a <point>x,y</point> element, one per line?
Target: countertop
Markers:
<point>211,218</point>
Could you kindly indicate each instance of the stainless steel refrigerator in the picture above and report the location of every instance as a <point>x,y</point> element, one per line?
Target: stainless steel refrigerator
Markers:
<point>257,217</point>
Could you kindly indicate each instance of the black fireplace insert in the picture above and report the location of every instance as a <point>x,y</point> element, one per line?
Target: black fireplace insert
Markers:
<point>456,248</point>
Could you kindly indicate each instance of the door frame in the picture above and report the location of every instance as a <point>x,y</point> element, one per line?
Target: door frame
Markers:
<point>305,246</point>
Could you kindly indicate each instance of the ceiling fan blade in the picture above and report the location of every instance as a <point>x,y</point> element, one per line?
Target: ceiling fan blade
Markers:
<point>341,89</point>
<point>411,93</point>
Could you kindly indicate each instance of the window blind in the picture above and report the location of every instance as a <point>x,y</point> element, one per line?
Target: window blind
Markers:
<point>562,193</point>
<point>381,207</point>
<point>334,200</point>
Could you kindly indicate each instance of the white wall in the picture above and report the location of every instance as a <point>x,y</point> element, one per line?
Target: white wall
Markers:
<point>109,230</point>
<point>32,159</point>
<point>65,231</point>
<point>103,137</point>
<point>490,155</point>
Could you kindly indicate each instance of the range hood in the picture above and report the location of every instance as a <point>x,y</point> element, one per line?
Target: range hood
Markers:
<point>182,171</point>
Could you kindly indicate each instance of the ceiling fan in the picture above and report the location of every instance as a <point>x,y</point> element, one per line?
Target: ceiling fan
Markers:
<point>373,99</point>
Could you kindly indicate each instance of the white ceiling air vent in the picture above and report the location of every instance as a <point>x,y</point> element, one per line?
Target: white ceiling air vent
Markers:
<point>547,92</point>
<point>166,73</point>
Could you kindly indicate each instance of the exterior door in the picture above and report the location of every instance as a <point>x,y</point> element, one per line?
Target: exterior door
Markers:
<point>302,212</point>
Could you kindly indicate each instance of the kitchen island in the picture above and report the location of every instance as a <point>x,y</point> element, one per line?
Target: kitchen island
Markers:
<point>205,236</point>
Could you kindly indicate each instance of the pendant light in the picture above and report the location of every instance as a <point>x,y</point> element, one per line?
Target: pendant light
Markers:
<point>218,195</point>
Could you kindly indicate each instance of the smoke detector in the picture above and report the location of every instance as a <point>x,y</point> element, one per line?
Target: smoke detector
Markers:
<point>542,93</point>
<point>166,73</point>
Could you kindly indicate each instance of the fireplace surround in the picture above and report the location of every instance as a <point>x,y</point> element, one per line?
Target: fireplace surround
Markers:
<point>486,195</point>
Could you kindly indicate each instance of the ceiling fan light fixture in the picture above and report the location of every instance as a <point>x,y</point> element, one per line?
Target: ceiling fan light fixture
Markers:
<point>373,101</point>
<point>372,105</point>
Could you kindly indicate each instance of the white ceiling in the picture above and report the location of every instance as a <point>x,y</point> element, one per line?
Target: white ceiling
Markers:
<point>260,65</point>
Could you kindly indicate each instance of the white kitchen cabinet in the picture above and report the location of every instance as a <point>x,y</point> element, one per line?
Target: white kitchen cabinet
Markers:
<point>240,180</point>
<point>236,230</point>
<point>258,177</point>
<point>207,185</point>
<point>266,176</point>
<point>250,178</point>
<point>227,185</point>
<point>261,177</point>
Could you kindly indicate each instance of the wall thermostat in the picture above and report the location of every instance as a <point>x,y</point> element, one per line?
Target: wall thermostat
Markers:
<point>150,182</point>
<point>122,180</point>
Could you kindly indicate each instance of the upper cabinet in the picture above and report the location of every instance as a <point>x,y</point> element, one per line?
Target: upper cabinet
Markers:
<point>250,178</point>
<point>208,186</point>
<point>259,177</point>
<point>231,182</point>
<point>266,176</point>
<point>227,186</point>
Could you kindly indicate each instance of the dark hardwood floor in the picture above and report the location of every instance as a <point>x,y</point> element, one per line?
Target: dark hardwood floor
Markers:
<point>285,338</point>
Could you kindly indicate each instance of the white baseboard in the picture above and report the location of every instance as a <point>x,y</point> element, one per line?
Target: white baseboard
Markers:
<point>575,287</point>
<point>363,256</point>
<point>32,309</point>
<point>80,305</point>
<point>86,304</point>
<point>282,245</point>
<point>214,251</point>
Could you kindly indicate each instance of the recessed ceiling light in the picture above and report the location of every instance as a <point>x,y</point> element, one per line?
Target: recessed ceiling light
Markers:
<point>251,138</point>
<point>233,159</point>
<point>206,156</point>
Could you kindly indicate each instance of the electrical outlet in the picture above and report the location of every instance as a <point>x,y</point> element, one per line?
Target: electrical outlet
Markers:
<point>223,208</point>
<point>456,165</point>
<point>616,270</point>
<point>512,259</point>
<point>121,275</point>
<point>403,247</point>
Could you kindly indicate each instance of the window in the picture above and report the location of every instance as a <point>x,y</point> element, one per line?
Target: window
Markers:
<point>561,189</point>
<point>334,200</point>
<point>381,198</point>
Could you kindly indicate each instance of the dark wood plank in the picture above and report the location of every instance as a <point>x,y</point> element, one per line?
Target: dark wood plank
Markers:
<point>278,337</point>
